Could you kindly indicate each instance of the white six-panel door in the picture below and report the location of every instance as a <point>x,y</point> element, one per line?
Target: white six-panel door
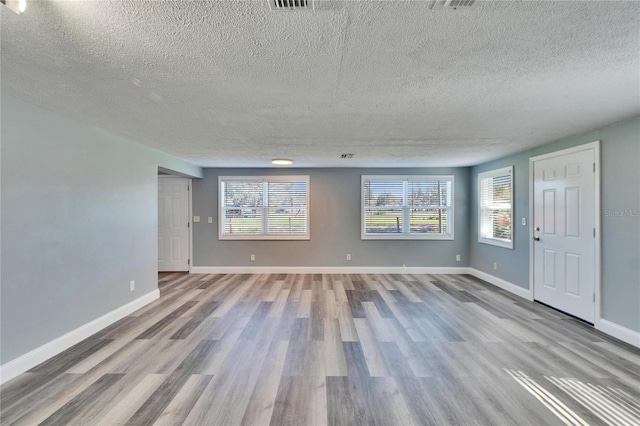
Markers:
<point>564,221</point>
<point>173,224</point>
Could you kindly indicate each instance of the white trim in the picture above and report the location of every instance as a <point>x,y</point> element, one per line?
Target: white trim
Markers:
<point>407,235</point>
<point>262,236</point>
<point>505,285</point>
<point>573,149</point>
<point>327,270</point>
<point>434,237</point>
<point>498,282</point>
<point>190,208</point>
<point>29,360</point>
<point>531,232</point>
<point>608,327</point>
<point>598,225</point>
<point>499,242</point>
<point>619,332</point>
<point>189,218</point>
<point>595,146</point>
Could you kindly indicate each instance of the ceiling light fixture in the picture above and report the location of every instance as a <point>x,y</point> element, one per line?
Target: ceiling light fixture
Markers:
<point>282,161</point>
<point>18,6</point>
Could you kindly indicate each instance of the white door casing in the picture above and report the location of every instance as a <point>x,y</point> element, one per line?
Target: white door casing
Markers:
<point>173,224</point>
<point>564,252</point>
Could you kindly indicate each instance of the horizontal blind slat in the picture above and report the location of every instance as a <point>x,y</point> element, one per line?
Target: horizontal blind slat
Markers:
<point>247,212</point>
<point>496,206</point>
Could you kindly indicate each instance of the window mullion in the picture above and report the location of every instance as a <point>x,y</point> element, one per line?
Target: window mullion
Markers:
<point>406,228</point>
<point>265,207</point>
<point>495,199</point>
<point>415,198</point>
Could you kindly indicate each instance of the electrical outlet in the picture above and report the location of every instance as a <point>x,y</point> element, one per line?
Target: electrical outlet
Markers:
<point>253,257</point>
<point>210,219</point>
<point>196,219</point>
<point>457,258</point>
<point>524,221</point>
<point>495,266</point>
<point>348,256</point>
<point>132,285</point>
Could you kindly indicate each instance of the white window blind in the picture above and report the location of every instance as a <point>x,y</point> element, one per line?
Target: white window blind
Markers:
<point>412,207</point>
<point>273,207</point>
<point>495,216</point>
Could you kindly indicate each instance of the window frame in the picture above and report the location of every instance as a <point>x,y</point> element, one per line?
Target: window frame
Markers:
<point>264,218</point>
<point>498,242</point>
<point>407,235</point>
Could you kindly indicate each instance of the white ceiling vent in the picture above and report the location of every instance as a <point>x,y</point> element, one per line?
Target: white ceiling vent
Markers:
<point>454,4</point>
<point>291,4</point>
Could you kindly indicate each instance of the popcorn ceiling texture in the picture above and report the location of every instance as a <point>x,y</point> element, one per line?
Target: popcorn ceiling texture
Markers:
<point>234,84</point>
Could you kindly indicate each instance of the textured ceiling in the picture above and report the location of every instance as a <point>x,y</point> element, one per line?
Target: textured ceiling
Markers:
<point>232,83</point>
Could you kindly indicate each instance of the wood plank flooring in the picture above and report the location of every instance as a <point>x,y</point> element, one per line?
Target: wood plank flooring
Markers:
<point>313,349</point>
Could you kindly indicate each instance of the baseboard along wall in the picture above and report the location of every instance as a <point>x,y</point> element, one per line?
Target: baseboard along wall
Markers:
<point>22,364</point>
<point>37,356</point>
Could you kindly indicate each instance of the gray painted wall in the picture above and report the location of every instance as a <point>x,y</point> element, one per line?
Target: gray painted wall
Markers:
<point>620,183</point>
<point>334,225</point>
<point>79,221</point>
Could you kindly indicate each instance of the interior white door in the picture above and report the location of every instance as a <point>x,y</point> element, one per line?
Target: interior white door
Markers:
<point>173,224</point>
<point>564,233</point>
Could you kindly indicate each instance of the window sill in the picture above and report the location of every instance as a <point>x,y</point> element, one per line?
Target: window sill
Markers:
<point>508,244</point>
<point>305,237</point>
<point>408,237</point>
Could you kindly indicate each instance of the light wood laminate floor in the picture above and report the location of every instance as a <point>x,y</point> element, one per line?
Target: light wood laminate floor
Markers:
<point>334,349</point>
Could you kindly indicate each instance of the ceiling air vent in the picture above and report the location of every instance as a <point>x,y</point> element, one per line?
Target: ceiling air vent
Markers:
<point>454,4</point>
<point>291,4</point>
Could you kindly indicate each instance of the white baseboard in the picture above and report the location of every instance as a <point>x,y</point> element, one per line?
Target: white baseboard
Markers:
<point>612,329</point>
<point>619,332</point>
<point>326,270</point>
<point>499,282</point>
<point>29,360</point>
<point>505,285</point>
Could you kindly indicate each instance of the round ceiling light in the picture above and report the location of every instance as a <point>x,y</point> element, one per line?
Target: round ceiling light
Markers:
<point>282,161</point>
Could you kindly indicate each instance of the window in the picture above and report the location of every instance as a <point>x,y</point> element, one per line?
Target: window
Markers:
<point>495,216</point>
<point>264,208</point>
<point>407,207</point>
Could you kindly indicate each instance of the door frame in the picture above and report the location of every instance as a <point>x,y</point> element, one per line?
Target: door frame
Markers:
<point>189,216</point>
<point>595,146</point>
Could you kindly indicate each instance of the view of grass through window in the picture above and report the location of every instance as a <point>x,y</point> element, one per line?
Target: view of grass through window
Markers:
<point>496,213</point>
<point>412,206</point>
<point>264,207</point>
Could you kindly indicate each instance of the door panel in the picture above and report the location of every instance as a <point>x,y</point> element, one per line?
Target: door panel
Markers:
<point>572,216</point>
<point>549,211</point>
<point>550,268</point>
<point>173,220</point>
<point>564,222</point>
<point>572,261</point>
